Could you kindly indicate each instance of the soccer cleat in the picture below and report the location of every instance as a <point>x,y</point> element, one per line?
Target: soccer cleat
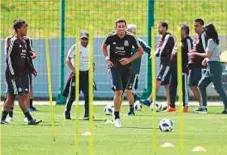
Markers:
<point>4,122</point>
<point>171,109</point>
<point>32,109</point>
<point>146,102</point>
<point>185,110</point>
<point>86,117</point>
<point>67,116</point>
<point>131,113</point>
<point>224,112</point>
<point>9,119</point>
<point>117,123</point>
<point>200,110</point>
<point>34,122</point>
<point>25,119</point>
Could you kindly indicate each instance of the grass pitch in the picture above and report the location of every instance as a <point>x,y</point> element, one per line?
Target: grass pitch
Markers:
<point>136,136</point>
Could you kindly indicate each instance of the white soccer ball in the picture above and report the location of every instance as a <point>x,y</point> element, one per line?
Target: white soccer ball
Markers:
<point>137,105</point>
<point>158,106</point>
<point>163,107</point>
<point>166,125</point>
<point>109,109</point>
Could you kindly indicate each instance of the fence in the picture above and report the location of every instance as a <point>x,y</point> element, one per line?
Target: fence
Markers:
<point>62,18</point>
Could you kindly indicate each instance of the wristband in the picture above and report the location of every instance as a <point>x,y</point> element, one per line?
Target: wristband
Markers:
<point>107,58</point>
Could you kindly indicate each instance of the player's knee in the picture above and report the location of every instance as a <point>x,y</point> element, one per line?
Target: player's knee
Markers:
<point>128,91</point>
<point>118,93</point>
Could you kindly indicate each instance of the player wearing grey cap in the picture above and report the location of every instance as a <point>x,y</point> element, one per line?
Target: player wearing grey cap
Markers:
<point>83,74</point>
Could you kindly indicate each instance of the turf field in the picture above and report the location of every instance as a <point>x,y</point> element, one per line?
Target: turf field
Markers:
<point>135,138</point>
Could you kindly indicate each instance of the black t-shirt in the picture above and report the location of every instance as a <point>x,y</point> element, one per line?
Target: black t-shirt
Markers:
<point>165,47</point>
<point>199,46</point>
<point>121,47</point>
<point>17,54</point>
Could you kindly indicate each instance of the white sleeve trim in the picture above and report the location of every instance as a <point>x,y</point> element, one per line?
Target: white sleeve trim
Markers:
<point>203,40</point>
<point>164,43</point>
<point>9,57</point>
<point>189,45</point>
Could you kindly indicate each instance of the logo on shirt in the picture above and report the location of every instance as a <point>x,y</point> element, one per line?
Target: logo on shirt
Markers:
<point>126,43</point>
<point>19,90</point>
<point>114,43</point>
<point>20,45</point>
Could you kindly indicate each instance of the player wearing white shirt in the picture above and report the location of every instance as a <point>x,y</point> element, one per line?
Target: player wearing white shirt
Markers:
<point>83,75</point>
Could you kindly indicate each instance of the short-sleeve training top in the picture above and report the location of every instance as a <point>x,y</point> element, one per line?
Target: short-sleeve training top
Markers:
<point>121,47</point>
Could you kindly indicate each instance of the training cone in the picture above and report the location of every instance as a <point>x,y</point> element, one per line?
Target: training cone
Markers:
<point>198,149</point>
<point>167,145</point>
<point>87,133</point>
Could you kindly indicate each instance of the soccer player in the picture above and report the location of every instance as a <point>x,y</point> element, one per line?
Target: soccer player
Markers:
<point>186,46</point>
<point>17,70</point>
<point>137,63</point>
<point>32,56</point>
<point>119,61</point>
<point>214,69</point>
<point>195,61</point>
<point>164,50</point>
<point>83,75</point>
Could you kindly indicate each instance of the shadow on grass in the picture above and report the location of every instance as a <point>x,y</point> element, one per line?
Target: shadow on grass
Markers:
<point>136,127</point>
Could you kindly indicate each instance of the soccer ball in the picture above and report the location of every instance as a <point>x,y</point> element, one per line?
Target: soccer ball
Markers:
<point>166,125</point>
<point>163,107</point>
<point>109,109</point>
<point>158,107</point>
<point>137,105</point>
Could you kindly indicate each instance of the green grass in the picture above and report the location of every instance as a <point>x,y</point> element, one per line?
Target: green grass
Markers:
<point>101,14</point>
<point>135,138</point>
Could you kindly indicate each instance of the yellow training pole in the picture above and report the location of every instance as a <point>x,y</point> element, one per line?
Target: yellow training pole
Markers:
<point>180,91</point>
<point>91,91</point>
<point>77,72</point>
<point>49,83</point>
<point>153,71</point>
<point>1,105</point>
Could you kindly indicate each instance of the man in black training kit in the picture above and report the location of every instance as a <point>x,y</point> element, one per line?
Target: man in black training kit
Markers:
<point>32,72</point>
<point>195,61</point>
<point>119,62</point>
<point>83,75</point>
<point>186,46</point>
<point>164,50</point>
<point>17,70</point>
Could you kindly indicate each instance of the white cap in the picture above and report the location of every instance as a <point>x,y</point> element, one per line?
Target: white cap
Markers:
<point>131,28</point>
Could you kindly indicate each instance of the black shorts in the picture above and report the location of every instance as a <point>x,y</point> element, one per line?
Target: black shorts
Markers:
<point>123,78</point>
<point>194,76</point>
<point>18,85</point>
<point>164,74</point>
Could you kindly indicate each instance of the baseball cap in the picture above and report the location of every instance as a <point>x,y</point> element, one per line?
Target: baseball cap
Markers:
<point>18,23</point>
<point>131,28</point>
<point>84,34</point>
